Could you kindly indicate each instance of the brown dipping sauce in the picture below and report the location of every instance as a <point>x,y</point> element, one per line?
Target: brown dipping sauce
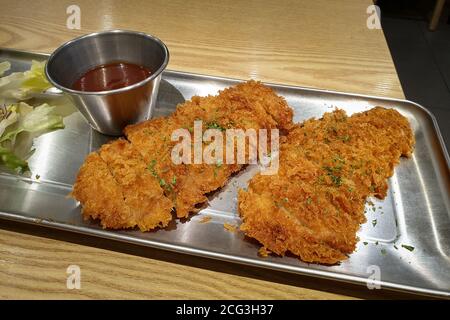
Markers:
<point>111,76</point>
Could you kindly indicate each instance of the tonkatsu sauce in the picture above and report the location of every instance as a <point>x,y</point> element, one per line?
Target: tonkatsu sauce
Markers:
<point>111,76</point>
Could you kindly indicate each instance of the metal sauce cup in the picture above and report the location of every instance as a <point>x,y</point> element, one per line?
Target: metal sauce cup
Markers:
<point>110,111</point>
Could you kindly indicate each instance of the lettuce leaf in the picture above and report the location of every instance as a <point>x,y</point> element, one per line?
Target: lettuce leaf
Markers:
<point>35,80</point>
<point>20,122</point>
<point>9,116</point>
<point>37,121</point>
<point>4,66</point>
<point>10,87</point>
<point>22,125</point>
<point>11,161</point>
<point>22,85</point>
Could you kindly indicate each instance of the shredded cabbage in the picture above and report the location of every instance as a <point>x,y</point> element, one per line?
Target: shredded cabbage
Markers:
<point>11,161</point>
<point>38,120</point>
<point>4,66</point>
<point>35,80</point>
<point>9,116</point>
<point>22,85</point>
<point>21,122</point>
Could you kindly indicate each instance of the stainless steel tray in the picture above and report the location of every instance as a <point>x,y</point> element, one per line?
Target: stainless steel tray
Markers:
<point>416,211</point>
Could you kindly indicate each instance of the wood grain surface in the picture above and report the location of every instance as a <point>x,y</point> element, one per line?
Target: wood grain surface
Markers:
<point>321,44</point>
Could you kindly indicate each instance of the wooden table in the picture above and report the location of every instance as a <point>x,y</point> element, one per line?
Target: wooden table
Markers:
<point>320,43</point>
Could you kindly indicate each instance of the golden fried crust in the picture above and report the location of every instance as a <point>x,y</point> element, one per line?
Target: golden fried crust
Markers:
<point>247,105</point>
<point>139,171</point>
<point>101,195</point>
<point>142,192</point>
<point>314,205</point>
<point>279,230</point>
<point>264,101</point>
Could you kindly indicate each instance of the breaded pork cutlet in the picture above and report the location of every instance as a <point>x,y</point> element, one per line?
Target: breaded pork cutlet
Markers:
<point>138,176</point>
<point>247,105</point>
<point>315,204</point>
<point>115,187</point>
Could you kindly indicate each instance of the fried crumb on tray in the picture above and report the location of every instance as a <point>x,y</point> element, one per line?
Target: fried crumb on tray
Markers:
<point>205,219</point>
<point>230,227</point>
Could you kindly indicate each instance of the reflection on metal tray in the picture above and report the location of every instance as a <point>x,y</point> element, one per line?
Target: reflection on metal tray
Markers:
<point>416,211</point>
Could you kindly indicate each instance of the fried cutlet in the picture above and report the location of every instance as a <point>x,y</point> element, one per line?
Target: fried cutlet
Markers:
<point>101,195</point>
<point>115,186</point>
<point>138,176</point>
<point>247,105</point>
<point>315,204</point>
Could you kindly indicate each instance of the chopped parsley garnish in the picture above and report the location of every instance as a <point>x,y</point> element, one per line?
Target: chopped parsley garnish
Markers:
<point>395,247</point>
<point>174,180</point>
<point>308,201</point>
<point>332,130</point>
<point>336,180</point>
<point>217,166</point>
<point>383,251</point>
<point>321,179</point>
<point>409,248</point>
<point>346,138</point>
<point>151,168</point>
<point>331,173</point>
<point>328,169</point>
<point>214,125</point>
<point>374,222</point>
<point>338,158</point>
<point>162,182</point>
<point>365,243</point>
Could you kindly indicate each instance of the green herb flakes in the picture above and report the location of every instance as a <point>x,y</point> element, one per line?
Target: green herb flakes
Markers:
<point>214,125</point>
<point>407,247</point>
